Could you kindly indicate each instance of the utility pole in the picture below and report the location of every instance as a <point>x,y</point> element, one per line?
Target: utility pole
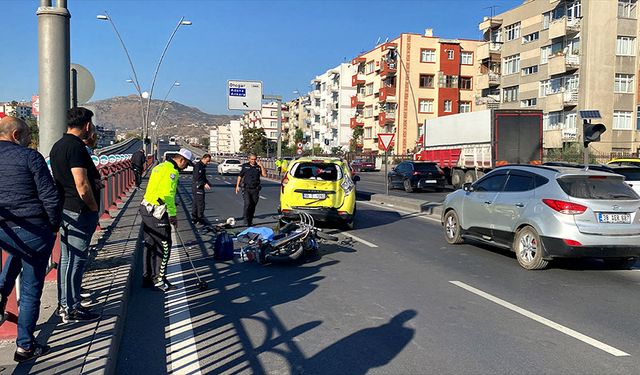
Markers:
<point>54,63</point>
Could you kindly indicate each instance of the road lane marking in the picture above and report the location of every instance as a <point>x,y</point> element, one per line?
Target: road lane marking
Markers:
<point>227,182</point>
<point>261,197</point>
<point>551,324</point>
<point>360,239</point>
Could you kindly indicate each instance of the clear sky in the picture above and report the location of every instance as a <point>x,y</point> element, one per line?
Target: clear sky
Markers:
<point>285,44</point>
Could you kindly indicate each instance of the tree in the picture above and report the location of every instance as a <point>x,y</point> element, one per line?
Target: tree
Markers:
<point>298,136</point>
<point>35,132</point>
<point>205,141</point>
<point>253,140</point>
<point>356,139</point>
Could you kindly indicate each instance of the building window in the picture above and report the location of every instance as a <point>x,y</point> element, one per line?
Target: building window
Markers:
<point>465,83</point>
<point>370,67</point>
<point>464,107</point>
<point>627,8</point>
<point>570,120</point>
<point>450,54</point>
<point>425,105</point>
<point>623,83</point>
<point>626,46</point>
<point>546,20</point>
<point>530,70</point>
<point>622,120</point>
<point>511,64</point>
<point>466,58</point>
<point>367,133</point>
<point>531,37</point>
<point>361,90</point>
<point>510,94</point>
<point>428,55</point>
<point>526,103</point>
<point>274,113</point>
<point>426,81</point>
<point>448,105</point>
<point>545,52</point>
<point>369,89</point>
<point>512,31</point>
<point>274,124</point>
<point>449,81</point>
<point>368,111</point>
<point>552,120</point>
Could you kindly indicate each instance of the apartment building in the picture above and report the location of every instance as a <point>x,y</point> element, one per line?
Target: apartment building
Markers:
<point>267,118</point>
<point>563,56</point>
<point>21,110</point>
<point>298,117</point>
<point>405,81</point>
<point>225,138</point>
<point>330,107</point>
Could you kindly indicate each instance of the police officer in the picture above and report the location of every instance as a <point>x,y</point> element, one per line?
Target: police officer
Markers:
<point>199,183</point>
<point>249,179</point>
<point>158,211</point>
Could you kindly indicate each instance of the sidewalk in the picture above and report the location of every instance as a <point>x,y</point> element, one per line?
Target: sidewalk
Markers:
<point>89,348</point>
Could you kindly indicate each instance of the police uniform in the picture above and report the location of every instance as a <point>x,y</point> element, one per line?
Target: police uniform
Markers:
<point>250,183</point>
<point>198,182</point>
<point>158,205</point>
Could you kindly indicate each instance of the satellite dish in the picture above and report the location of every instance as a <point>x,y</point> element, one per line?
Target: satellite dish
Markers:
<point>82,85</point>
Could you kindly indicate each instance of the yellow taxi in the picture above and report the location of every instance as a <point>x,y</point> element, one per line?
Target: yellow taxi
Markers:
<point>322,187</point>
<point>625,161</point>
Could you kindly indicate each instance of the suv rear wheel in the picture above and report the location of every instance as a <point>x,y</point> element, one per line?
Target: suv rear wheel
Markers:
<point>528,249</point>
<point>452,228</point>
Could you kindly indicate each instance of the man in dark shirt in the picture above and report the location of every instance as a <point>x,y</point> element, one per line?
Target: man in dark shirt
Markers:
<point>249,180</point>
<point>137,164</point>
<point>199,183</point>
<point>75,175</point>
<point>29,220</point>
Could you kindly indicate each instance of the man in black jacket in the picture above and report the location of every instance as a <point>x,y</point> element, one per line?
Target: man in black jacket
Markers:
<point>30,215</point>
<point>249,182</point>
<point>199,183</point>
<point>137,164</point>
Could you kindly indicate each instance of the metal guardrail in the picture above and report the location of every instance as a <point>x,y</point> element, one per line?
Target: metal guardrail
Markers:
<point>117,148</point>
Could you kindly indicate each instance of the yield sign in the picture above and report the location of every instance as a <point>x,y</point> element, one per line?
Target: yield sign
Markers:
<point>384,140</point>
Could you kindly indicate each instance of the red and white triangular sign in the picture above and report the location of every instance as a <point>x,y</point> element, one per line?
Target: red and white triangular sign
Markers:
<point>384,140</point>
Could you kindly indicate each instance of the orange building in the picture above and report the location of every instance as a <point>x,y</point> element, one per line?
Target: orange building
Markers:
<point>403,82</point>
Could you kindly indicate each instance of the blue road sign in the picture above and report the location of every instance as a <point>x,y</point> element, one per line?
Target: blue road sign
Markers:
<point>234,91</point>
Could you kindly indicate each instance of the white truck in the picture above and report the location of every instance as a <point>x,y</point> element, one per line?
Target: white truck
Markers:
<point>467,145</point>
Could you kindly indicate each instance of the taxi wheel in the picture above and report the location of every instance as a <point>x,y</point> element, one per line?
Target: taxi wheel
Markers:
<point>350,225</point>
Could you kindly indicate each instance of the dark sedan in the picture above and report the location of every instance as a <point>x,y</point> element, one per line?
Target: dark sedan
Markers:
<point>411,175</point>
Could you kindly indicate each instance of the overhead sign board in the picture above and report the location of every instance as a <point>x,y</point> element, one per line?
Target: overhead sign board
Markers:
<point>244,95</point>
<point>384,140</point>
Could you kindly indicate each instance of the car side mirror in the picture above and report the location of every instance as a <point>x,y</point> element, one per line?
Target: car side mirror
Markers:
<point>468,187</point>
<point>356,178</point>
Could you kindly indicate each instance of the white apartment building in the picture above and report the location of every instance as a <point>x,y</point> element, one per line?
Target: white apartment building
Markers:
<point>330,108</point>
<point>267,119</point>
<point>22,110</point>
<point>225,139</point>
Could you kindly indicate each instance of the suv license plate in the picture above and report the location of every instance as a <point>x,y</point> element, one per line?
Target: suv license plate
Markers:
<point>314,196</point>
<point>614,218</point>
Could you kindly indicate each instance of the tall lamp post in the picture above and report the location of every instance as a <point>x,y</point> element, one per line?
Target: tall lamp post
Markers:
<point>144,113</point>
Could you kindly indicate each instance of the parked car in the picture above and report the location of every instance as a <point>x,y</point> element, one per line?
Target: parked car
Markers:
<point>229,166</point>
<point>322,187</point>
<point>411,175</point>
<point>362,165</point>
<point>170,154</point>
<point>547,212</point>
<point>625,161</point>
<point>631,176</point>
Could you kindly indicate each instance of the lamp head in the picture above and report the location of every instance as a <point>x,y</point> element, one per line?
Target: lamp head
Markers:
<point>102,17</point>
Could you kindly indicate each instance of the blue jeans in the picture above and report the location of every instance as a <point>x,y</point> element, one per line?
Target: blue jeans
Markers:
<point>75,238</point>
<point>29,250</point>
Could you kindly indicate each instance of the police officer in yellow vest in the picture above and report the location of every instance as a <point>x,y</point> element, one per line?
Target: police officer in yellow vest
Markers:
<point>158,211</point>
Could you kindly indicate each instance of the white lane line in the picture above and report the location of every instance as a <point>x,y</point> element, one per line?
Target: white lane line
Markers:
<point>183,352</point>
<point>360,239</point>
<point>551,324</point>
<point>261,197</point>
<point>227,182</point>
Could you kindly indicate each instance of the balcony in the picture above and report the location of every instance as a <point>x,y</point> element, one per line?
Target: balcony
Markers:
<point>492,101</point>
<point>357,79</point>
<point>387,94</point>
<point>489,23</point>
<point>388,69</point>
<point>356,121</point>
<point>560,63</point>
<point>358,60</point>
<point>357,100</point>
<point>385,118</point>
<point>564,27</point>
<point>490,79</point>
<point>570,98</point>
<point>489,50</point>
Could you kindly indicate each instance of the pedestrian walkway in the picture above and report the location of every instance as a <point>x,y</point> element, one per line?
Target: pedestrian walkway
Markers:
<point>89,348</point>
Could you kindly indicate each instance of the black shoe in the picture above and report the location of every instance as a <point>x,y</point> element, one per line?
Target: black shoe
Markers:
<point>3,306</point>
<point>163,284</point>
<point>38,350</point>
<point>80,315</point>
<point>147,282</point>
<point>61,312</point>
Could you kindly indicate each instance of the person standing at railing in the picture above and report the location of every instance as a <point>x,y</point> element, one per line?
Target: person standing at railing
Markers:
<point>30,215</point>
<point>137,164</point>
<point>75,175</point>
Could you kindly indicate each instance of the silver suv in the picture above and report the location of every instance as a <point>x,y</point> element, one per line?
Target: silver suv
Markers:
<point>545,212</point>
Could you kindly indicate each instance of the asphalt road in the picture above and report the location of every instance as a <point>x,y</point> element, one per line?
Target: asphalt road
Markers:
<point>398,300</point>
<point>375,183</point>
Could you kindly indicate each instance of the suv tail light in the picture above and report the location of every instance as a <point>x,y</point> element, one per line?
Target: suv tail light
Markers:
<point>566,208</point>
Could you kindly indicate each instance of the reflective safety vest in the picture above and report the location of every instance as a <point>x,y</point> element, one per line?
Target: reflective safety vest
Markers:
<point>163,184</point>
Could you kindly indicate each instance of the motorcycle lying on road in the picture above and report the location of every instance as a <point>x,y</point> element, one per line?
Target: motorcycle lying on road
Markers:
<point>295,239</point>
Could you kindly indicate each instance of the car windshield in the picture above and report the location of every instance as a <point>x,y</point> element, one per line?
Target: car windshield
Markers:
<point>630,174</point>
<point>232,161</point>
<point>425,167</point>
<point>317,171</point>
<point>597,187</point>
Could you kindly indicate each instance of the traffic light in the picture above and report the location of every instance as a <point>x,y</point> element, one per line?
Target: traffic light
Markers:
<point>592,132</point>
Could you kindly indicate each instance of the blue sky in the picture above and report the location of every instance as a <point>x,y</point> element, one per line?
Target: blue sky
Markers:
<point>285,44</point>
